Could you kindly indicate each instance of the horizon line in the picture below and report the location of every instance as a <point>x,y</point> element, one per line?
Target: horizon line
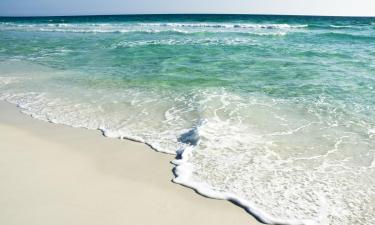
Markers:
<point>171,14</point>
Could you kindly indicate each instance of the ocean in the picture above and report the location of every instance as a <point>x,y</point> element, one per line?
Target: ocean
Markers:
<point>274,113</point>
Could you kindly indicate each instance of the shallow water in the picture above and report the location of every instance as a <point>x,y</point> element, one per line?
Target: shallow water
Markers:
<point>276,113</point>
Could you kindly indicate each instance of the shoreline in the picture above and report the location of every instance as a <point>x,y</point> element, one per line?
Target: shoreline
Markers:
<point>55,174</point>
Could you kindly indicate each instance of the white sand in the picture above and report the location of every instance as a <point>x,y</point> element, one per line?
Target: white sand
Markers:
<point>52,174</point>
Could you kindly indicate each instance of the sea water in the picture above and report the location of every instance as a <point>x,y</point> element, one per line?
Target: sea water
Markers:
<point>275,113</point>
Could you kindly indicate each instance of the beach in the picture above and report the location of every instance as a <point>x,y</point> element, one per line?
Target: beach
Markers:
<point>275,113</point>
<point>55,174</point>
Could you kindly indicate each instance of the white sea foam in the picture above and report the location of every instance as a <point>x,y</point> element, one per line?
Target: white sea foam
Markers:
<point>7,80</point>
<point>146,27</point>
<point>226,25</point>
<point>188,41</point>
<point>340,26</point>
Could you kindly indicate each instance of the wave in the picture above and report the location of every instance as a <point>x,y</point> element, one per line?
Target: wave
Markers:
<point>228,25</point>
<point>218,41</point>
<point>340,26</point>
<point>186,41</point>
<point>168,27</point>
<point>347,36</point>
<point>146,27</point>
<point>337,27</point>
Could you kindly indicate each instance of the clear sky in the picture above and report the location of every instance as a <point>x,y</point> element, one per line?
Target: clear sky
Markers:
<point>86,7</point>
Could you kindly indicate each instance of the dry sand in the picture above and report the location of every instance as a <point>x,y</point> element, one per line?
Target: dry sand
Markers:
<point>52,174</point>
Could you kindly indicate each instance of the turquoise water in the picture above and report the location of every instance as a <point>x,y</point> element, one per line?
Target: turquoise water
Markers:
<point>276,113</point>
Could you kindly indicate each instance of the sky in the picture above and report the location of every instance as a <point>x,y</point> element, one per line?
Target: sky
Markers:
<point>102,7</point>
